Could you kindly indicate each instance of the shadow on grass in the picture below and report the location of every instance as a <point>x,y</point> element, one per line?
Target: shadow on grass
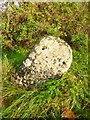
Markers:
<point>16,56</point>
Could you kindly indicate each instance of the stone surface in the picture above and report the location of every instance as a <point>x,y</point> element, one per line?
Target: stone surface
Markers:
<point>50,57</point>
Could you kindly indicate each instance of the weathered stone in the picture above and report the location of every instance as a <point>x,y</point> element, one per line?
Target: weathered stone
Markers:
<point>50,57</point>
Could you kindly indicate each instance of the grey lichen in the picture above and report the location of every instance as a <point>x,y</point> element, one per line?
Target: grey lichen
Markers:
<point>50,57</point>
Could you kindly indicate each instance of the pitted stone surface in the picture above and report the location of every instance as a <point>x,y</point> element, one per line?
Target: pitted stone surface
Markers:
<point>51,57</point>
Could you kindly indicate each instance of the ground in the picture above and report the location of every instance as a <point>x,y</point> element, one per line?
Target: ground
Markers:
<point>22,27</point>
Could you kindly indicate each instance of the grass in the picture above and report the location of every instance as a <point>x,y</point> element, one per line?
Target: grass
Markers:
<point>22,27</point>
<point>49,98</point>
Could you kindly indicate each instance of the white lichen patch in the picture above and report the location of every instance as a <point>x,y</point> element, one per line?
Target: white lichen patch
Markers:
<point>51,56</point>
<point>27,62</point>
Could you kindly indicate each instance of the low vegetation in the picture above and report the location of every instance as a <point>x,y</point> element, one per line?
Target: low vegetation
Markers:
<point>22,27</point>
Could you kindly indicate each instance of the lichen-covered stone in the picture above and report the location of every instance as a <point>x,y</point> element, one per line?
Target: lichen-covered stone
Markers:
<point>50,57</point>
